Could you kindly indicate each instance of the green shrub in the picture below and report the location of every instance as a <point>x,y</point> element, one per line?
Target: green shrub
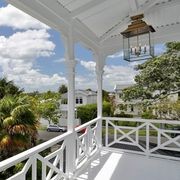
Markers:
<point>122,114</point>
<point>148,115</point>
<point>89,111</point>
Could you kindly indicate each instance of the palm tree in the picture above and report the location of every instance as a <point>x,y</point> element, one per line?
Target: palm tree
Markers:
<point>8,88</point>
<point>18,125</point>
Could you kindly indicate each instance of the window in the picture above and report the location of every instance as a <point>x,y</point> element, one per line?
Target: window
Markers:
<point>132,108</point>
<point>64,101</point>
<point>79,100</point>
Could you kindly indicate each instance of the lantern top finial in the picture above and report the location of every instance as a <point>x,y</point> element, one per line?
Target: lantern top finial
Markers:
<point>137,17</point>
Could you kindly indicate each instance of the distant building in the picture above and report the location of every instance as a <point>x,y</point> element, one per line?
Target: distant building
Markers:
<point>133,107</point>
<point>82,97</point>
<point>129,107</point>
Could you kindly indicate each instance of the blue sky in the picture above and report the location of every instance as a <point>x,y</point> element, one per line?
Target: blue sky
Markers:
<point>32,55</point>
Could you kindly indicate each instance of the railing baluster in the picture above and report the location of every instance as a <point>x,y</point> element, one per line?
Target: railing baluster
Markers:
<point>99,132</point>
<point>34,168</point>
<point>43,170</point>
<point>137,136</point>
<point>88,141</point>
<point>115,134</point>
<point>147,138</point>
<point>107,134</point>
<point>159,138</point>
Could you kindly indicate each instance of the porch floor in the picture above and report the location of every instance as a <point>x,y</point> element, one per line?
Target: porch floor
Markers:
<point>109,165</point>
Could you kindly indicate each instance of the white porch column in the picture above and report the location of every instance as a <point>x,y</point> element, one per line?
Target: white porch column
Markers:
<point>70,64</point>
<point>71,140</point>
<point>100,60</point>
<point>99,76</point>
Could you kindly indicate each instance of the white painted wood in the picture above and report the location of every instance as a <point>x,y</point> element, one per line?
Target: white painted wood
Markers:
<point>70,64</point>
<point>142,9</point>
<point>86,7</point>
<point>175,122</point>
<point>133,5</point>
<point>163,139</point>
<point>147,138</point>
<point>87,147</point>
<point>27,154</point>
<point>43,171</point>
<point>34,168</point>
<point>60,18</point>
<point>106,135</point>
<point>100,62</point>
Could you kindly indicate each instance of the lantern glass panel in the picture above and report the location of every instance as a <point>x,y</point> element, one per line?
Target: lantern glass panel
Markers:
<point>126,48</point>
<point>138,47</point>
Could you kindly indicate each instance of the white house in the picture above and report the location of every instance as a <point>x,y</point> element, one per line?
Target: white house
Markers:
<point>82,97</point>
<point>128,107</point>
<point>133,107</point>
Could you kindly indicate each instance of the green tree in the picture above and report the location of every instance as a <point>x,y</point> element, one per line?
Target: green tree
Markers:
<point>49,110</point>
<point>8,88</point>
<point>63,89</point>
<point>167,110</point>
<point>18,125</point>
<point>176,110</point>
<point>105,95</point>
<point>48,106</point>
<point>160,74</point>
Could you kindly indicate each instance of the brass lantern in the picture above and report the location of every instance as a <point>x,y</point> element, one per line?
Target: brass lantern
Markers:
<point>137,40</point>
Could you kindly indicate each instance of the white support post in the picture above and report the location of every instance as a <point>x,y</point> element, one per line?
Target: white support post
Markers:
<point>70,64</point>
<point>100,60</point>
<point>99,74</point>
<point>71,140</point>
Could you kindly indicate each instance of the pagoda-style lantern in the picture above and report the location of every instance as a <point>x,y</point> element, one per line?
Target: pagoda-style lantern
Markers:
<point>137,40</point>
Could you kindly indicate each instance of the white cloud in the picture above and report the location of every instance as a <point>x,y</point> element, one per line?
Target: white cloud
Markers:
<point>17,58</point>
<point>112,75</point>
<point>26,45</point>
<point>61,60</point>
<point>118,75</point>
<point>85,82</point>
<point>116,55</point>
<point>89,65</point>
<point>13,17</point>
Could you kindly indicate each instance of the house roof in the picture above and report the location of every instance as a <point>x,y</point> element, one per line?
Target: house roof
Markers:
<point>82,92</point>
<point>119,87</point>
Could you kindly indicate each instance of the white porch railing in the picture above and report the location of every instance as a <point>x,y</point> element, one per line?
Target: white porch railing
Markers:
<point>53,165</point>
<point>160,138</point>
<point>141,136</point>
<point>88,141</point>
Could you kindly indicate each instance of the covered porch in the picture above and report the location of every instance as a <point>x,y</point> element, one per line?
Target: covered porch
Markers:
<point>106,150</point>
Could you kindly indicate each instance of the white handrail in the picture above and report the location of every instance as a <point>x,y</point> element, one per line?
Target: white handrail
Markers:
<point>142,120</point>
<point>87,124</point>
<point>39,148</point>
<point>30,152</point>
